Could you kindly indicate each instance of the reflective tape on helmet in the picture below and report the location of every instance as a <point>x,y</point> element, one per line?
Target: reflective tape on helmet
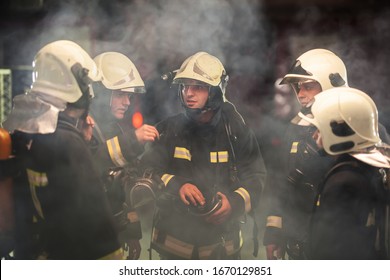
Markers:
<point>247,198</point>
<point>114,149</point>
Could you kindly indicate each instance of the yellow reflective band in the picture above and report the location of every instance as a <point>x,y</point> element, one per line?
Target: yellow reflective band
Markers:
<point>36,179</point>
<point>318,201</point>
<point>132,217</point>
<point>182,153</point>
<point>174,246</point>
<point>274,221</point>
<point>223,156</point>
<point>247,198</point>
<point>213,157</point>
<point>114,149</point>
<point>166,178</point>
<point>116,255</point>
<point>294,148</point>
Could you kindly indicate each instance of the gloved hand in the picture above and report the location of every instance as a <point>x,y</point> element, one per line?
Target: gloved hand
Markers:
<point>133,247</point>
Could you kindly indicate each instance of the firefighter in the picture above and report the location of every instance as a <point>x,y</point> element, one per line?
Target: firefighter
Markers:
<point>116,143</point>
<point>211,167</point>
<point>349,216</point>
<point>291,201</point>
<point>70,216</point>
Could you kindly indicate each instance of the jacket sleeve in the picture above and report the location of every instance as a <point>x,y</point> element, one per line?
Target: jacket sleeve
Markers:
<point>118,150</point>
<point>251,172</point>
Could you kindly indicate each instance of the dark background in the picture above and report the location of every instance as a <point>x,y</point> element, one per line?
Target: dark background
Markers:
<point>256,40</point>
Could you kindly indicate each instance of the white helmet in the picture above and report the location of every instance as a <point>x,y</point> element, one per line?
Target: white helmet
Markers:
<point>54,67</point>
<point>204,68</point>
<point>119,73</point>
<point>320,65</point>
<point>347,119</point>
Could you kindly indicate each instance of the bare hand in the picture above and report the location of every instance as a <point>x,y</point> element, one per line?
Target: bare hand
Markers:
<point>274,252</point>
<point>190,194</point>
<point>87,128</point>
<point>146,133</point>
<point>134,248</point>
<point>223,213</point>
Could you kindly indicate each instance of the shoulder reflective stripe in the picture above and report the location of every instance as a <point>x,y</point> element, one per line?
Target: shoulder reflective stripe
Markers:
<point>114,149</point>
<point>222,156</point>
<point>247,198</point>
<point>182,153</point>
<point>173,245</point>
<point>294,148</point>
<point>116,255</point>
<point>132,217</point>
<point>166,178</point>
<point>274,221</point>
<point>36,179</point>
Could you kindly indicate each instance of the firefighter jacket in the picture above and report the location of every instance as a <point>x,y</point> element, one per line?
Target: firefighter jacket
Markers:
<point>201,154</point>
<point>348,214</point>
<point>72,217</point>
<point>116,148</point>
<point>292,198</point>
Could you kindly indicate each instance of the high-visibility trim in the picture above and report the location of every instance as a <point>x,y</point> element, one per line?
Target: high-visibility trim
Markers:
<point>222,156</point>
<point>132,217</point>
<point>274,221</point>
<point>36,180</point>
<point>114,149</point>
<point>213,157</point>
<point>318,201</point>
<point>247,198</point>
<point>166,178</point>
<point>294,148</point>
<point>182,249</point>
<point>116,255</point>
<point>174,246</point>
<point>182,153</point>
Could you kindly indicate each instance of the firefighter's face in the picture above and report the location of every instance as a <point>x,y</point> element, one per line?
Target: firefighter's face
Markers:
<point>195,96</point>
<point>120,102</point>
<point>306,90</point>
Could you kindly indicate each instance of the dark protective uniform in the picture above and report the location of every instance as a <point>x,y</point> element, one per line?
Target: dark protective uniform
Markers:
<point>116,150</point>
<point>72,218</point>
<point>349,213</point>
<point>201,154</point>
<point>293,197</point>
<point>292,200</point>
